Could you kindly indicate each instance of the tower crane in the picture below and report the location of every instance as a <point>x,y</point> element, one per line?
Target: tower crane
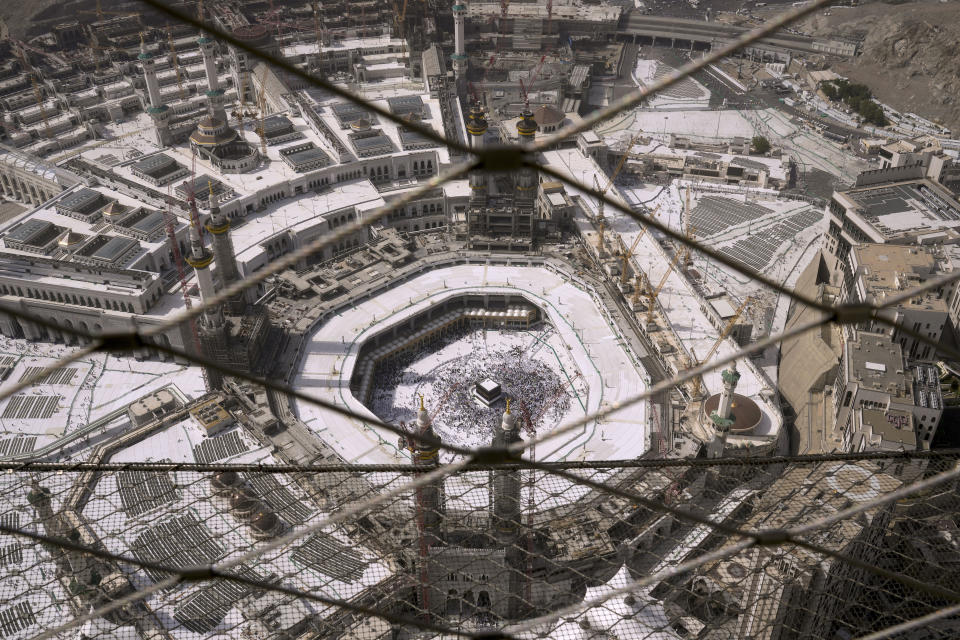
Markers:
<point>624,267</point>
<point>626,255</point>
<point>638,288</point>
<point>37,93</point>
<point>262,105</point>
<point>100,13</point>
<point>601,221</point>
<point>731,323</point>
<point>176,62</point>
<point>653,293</point>
<point>319,32</point>
<point>77,152</point>
<point>43,110</point>
<point>239,111</point>
<point>399,15</point>
<point>688,229</point>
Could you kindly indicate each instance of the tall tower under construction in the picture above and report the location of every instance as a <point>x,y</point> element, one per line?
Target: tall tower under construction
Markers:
<point>219,227</point>
<point>235,335</point>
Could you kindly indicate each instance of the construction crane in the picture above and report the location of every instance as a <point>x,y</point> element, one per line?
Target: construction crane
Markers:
<point>96,57</point>
<point>77,152</point>
<point>43,110</point>
<point>613,176</point>
<point>601,221</point>
<point>638,290</point>
<point>532,79</point>
<point>731,323</point>
<point>239,111</point>
<point>688,229</point>
<point>316,27</point>
<point>624,278</point>
<point>100,13</point>
<point>653,214</point>
<point>262,105</point>
<point>399,15</point>
<point>653,293</point>
<point>37,92</point>
<point>626,255</point>
<point>176,62</point>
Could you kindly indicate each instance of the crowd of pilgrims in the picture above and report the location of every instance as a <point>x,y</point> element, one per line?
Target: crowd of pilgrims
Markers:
<point>448,388</point>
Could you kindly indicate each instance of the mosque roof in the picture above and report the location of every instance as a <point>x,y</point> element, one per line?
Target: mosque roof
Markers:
<point>548,115</point>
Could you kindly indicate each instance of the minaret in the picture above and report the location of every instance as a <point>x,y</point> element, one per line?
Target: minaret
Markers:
<point>723,418</point>
<point>159,112</point>
<point>226,259</point>
<point>200,258</point>
<point>506,483</point>
<point>730,378</point>
<point>459,56</point>
<point>477,128</point>
<point>429,497</point>
<point>215,98</point>
<point>527,178</point>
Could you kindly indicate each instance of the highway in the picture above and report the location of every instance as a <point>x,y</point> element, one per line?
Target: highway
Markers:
<point>636,24</point>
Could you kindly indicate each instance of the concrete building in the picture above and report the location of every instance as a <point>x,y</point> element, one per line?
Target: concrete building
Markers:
<point>29,179</point>
<point>897,205</point>
<point>506,211</point>
<point>789,592</point>
<point>878,271</point>
<point>873,374</point>
<point>925,150</point>
<point>532,27</point>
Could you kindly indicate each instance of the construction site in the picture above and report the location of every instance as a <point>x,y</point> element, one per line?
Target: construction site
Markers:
<point>327,374</point>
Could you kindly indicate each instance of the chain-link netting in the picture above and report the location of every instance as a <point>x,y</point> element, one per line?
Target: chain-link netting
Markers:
<point>491,544</point>
<point>829,547</point>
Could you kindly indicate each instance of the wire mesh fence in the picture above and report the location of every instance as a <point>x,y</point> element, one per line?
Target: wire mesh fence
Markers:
<point>489,545</point>
<point>829,547</point>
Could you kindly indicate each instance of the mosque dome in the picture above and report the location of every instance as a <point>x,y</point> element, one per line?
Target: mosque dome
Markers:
<point>244,503</point>
<point>744,412</point>
<point>71,238</point>
<point>212,131</point>
<point>113,210</point>
<point>547,115</point>
<point>264,522</point>
<point>361,124</point>
<point>224,480</point>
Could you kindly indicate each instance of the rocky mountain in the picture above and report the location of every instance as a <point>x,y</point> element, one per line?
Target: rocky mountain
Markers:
<point>909,54</point>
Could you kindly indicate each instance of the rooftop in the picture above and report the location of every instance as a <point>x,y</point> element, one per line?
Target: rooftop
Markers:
<point>905,209</point>
<point>889,270</point>
<point>893,426</point>
<point>876,363</point>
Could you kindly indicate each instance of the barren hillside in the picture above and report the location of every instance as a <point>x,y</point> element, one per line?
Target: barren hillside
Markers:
<point>910,54</point>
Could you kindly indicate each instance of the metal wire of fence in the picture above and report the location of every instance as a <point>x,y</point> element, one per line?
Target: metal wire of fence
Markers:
<point>828,546</point>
